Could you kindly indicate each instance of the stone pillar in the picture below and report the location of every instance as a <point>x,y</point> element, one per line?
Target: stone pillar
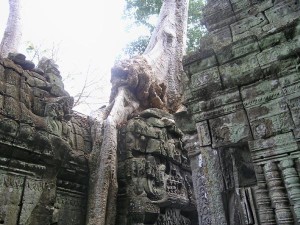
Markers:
<point>292,184</point>
<point>278,194</point>
<point>207,180</point>
<point>263,203</point>
<point>201,195</point>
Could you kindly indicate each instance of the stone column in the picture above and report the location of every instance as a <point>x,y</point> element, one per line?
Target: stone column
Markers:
<point>278,194</point>
<point>207,179</point>
<point>263,203</point>
<point>292,184</point>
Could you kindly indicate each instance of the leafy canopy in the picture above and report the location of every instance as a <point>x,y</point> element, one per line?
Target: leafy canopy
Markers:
<point>143,12</point>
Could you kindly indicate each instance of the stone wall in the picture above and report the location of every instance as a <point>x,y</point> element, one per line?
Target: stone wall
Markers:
<point>155,183</point>
<point>243,96</point>
<point>234,155</point>
<point>43,147</point>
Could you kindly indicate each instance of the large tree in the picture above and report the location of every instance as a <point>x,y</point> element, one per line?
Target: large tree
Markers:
<point>151,80</point>
<point>141,13</point>
<point>12,34</point>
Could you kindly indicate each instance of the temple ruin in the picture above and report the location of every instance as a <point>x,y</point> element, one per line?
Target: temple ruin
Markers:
<point>231,158</point>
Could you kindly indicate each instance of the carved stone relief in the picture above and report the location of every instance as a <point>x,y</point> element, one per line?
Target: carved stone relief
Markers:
<point>154,172</point>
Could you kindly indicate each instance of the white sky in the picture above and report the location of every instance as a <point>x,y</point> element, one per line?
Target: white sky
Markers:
<point>89,33</point>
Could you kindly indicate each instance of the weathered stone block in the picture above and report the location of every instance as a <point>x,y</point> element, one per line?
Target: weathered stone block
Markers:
<point>207,174</point>
<point>70,204</point>
<point>288,80</point>
<point>249,26</point>
<point>88,146</point>
<point>266,119</point>
<point>155,122</point>
<point>25,133</point>
<point>12,91</point>
<point>292,96</point>
<point>203,133</point>
<point>289,10</point>
<point>206,81</point>
<point>184,123</point>
<point>79,142</point>
<point>272,40</point>
<point>157,113</point>
<point>273,147</point>
<point>230,129</point>
<point>285,68</point>
<point>222,99</point>
<point>12,107</point>
<point>37,92</point>
<point>29,79</point>
<point>26,116</point>
<point>202,64</point>
<point>11,65</point>
<point>200,182</point>
<point>218,39</point>
<point>220,111</point>
<point>11,188</point>
<point>12,77</point>
<point>238,49</point>
<point>219,99</point>
<point>25,98</point>
<point>241,71</point>
<point>270,125</point>
<point>218,14</point>
<point>38,106</point>
<point>271,108</point>
<point>273,54</point>
<point>255,8</point>
<point>32,198</point>
<point>58,91</point>
<point>54,79</point>
<point>296,133</point>
<point>261,92</point>
<point>238,5</point>
<point>41,84</point>
<point>154,146</point>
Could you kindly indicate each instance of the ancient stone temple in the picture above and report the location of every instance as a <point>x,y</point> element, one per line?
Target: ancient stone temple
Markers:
<point>243,97</point>
<point>232,158</point>
<point>44,147</point>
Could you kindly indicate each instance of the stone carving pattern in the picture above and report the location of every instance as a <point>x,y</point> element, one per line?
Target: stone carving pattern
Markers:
<point>156,173</point>
<point>11,188</point>
<point>292,184</point>
<point>277,193</point>
<point>263,203</point>
<point>204,212</point>
<point>172,216</point>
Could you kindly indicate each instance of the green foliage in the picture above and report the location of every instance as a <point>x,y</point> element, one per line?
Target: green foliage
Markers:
<point>138,46</point>
<point>141,11</point>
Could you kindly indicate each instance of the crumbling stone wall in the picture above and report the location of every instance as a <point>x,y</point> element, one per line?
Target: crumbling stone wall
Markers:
<point>243,96</point>
<point>43,147</point>
<point>241,133</point>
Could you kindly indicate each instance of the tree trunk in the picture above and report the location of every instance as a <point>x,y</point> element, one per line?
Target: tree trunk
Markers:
<point>12,34</point>
<point>152,80</point>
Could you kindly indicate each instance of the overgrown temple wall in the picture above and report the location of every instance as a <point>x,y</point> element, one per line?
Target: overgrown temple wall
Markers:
<point>43,148</point>
<point>243,95</point>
